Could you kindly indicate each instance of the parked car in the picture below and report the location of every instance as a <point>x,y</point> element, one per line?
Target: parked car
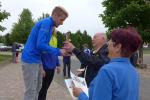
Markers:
<point>4,47</point>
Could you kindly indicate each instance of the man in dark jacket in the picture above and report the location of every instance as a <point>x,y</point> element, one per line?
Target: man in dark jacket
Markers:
<point>94,61</point>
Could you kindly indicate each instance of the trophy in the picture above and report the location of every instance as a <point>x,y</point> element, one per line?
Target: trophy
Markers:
<point>67,38</point>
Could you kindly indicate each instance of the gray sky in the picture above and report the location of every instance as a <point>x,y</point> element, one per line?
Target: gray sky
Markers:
<point>83,14</point>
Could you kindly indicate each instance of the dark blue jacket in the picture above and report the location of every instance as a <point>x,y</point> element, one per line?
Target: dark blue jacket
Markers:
<point>49,61</point>
<point>66,59</point>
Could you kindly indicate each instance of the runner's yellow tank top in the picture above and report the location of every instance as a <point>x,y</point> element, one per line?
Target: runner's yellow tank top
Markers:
<point>53,41</point>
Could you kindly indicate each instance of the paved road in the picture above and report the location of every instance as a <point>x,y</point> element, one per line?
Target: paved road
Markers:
<point>146,59</point>
<point>11,84</point>
<point>145,88</point>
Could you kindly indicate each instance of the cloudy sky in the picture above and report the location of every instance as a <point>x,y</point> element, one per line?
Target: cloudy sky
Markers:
<point>83,14</point>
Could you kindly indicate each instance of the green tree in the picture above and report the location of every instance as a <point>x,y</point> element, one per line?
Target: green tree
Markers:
<point>124,13</point>
<point>74,40</point>
<point>22,28</point>
<point>87,39</point>
<point>1,39</point>
<point>78,36</point>
<point>3,15</point>
<point>60,38</point>
<point>7,39</point>
<point>78,39</point>
<point>44,15</point>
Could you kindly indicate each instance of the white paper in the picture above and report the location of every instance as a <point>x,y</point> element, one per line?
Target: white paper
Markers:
<point>77,82</point>
<point>80,83</point>
<point>69,85</point>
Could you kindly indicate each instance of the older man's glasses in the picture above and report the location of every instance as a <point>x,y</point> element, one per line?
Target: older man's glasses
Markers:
<point>110,42</point>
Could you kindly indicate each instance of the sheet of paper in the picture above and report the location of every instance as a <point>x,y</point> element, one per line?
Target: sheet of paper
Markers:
<point>77,82</point>
<point>69,84</point>
<point>80,83</point>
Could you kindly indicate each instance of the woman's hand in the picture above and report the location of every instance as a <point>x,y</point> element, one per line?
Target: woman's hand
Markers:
<point>76,91</point>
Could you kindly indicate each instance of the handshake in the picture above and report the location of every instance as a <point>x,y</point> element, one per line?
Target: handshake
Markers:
<point>67,49</point>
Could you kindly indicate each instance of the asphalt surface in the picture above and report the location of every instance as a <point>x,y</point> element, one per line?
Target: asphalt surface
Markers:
<point>12,86</point>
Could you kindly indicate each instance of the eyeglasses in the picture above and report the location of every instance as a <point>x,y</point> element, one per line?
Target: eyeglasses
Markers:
<point>110,42</point>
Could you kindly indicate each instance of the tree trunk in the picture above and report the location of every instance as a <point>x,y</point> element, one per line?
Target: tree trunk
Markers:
<point>142,65</point>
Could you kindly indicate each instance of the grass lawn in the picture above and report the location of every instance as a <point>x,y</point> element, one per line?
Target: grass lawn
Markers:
<point>4,57</point>
<point>146,51</point>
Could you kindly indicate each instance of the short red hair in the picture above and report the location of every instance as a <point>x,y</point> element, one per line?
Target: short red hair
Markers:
<point>128,38</point>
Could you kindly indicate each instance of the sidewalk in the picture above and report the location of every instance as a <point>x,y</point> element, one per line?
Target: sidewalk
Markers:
<point>12,86</point>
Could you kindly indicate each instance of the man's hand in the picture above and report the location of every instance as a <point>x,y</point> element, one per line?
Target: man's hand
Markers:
<point>80,71</point>
<point>58,69</point>
<point>68,46</point>
<point>76,91</point>
<point>64,52</point>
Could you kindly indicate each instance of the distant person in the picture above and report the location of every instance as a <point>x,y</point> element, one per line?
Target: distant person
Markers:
<point>37,43</point>
<point>67,66</point>
<point>50,63</point>
<point>134,59</point>
<point>86,49</point>
<point>81,71</point>
<point>17,52</point>
<point>14,52</point>
<point>117,80</point>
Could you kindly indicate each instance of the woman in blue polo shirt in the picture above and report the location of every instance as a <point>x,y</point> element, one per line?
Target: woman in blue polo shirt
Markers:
<point>117,80</point>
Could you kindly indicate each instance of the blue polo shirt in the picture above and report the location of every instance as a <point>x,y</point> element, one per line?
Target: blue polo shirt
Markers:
<point>117,80</point>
